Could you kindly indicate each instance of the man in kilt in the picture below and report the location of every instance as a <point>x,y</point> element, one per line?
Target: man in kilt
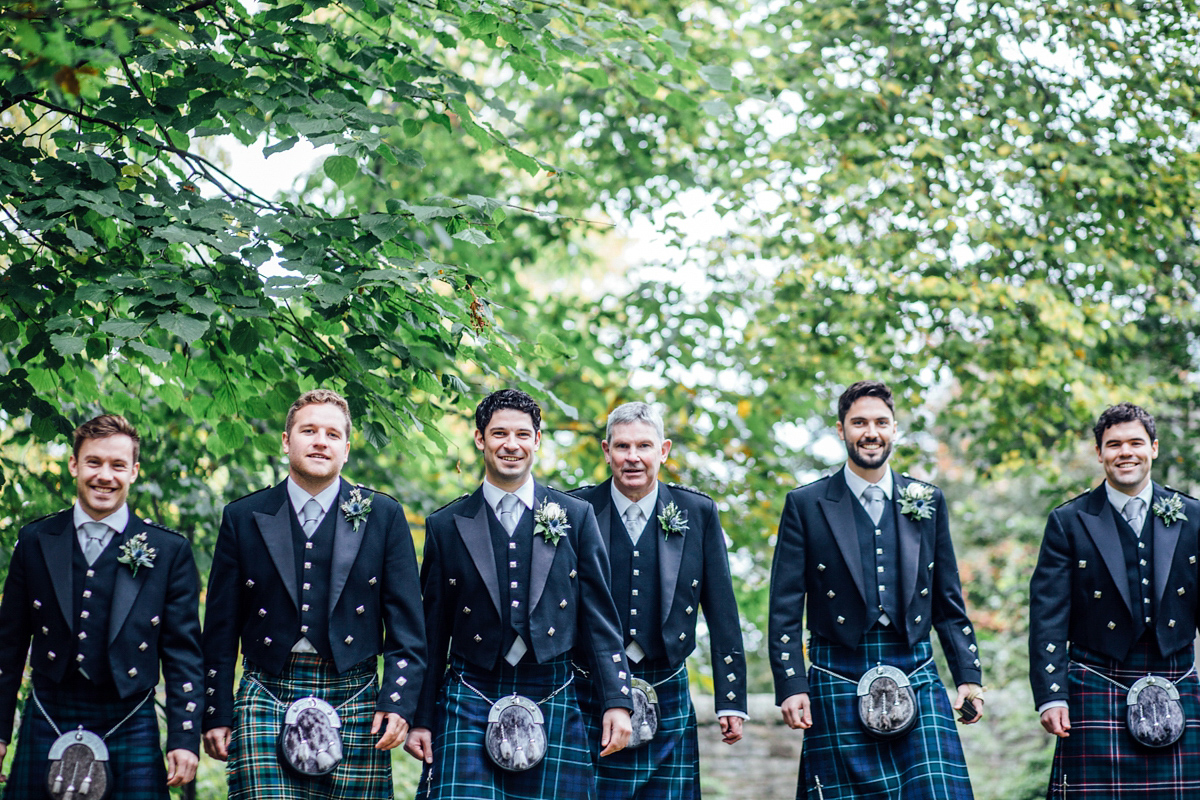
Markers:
<point>315,578</point>
<point>515,580</point>
<point>107,599</point>
<point>869,553</point>
<point>1113,600</point>
<point>667,555</point>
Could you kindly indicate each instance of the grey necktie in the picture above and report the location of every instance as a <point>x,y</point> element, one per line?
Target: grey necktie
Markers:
<point>873,502</point>
<point>95,531</point>
<point>310,516</point>
<point>1135,507</point>
<point>634,522</point>
<point>508,512</point>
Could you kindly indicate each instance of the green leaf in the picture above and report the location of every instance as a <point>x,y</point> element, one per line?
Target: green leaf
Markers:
<point>473,236</point>
<point>79,239</point>
<point>185,327</point>
<point>244,338</point>
<point>157,354</point>
<point>341,169</point>
<point>233,433</point>
<point>717,76</point>
<point>126,329</point>
<point>67,345</point>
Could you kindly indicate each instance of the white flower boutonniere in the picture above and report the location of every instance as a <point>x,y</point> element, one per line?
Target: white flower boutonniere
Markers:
<point>673,520</point>
<point>356,508</point>
<point>137,553</point>
<point>916,501</point>
<point>550,522</point>
<point>1169,509</point>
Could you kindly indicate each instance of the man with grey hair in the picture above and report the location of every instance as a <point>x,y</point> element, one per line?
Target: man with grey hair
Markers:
<point>667,555</point>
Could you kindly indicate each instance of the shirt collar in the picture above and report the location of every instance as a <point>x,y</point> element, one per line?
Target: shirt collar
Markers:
<point>325,498</point>
<point>621,503</point>
<point>493,494</point>
<point>116,520</point>
<point>858,484</point>
<point>1119,499</point>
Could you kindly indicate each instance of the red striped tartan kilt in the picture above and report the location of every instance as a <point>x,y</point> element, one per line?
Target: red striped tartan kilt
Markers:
<point>1100,759</point>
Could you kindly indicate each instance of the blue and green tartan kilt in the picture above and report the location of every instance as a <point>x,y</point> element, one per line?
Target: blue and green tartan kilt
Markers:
<point>461,769</point>
<point>255,771</point>
<point>668,768</point>
<point>839,760</point>
<point>1100,758</point>
<point>134,753</point>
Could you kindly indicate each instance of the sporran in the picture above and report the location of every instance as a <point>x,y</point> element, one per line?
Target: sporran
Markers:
<point>887,706</point>
<point>516,734</point>
<point>1153,714</point>
<point>310,739</point>
<point>646,713</point>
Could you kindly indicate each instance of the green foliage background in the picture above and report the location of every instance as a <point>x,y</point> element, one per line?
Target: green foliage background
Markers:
<point>733,208</point>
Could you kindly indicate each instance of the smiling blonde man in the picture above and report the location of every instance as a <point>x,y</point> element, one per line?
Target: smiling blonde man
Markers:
<point>1112,624</point>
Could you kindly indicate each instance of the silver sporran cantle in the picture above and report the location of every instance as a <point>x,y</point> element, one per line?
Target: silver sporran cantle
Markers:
<point>645,713</point>
<point>1153,713</point>
<point>887,707</point>
<point>310,739</point>
<point>78,768</point>
<point>516,735</point>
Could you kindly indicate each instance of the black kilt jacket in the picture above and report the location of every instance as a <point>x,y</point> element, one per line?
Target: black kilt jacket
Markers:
<point>569,600</point>
<point>818,568</point>
<point>153,621</point>
<point>693,574</point>
<point>1079,593</point>
<point>374,598</point>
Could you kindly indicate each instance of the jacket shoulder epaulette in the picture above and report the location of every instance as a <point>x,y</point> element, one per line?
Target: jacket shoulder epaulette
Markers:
<point>581,488</point>
<point>452,502</point>
<point>689,490</point>
<point>1073,499</point>
<point>374,491</point>
<point>911,479</point>
<point>162,527</point>
<point>256,491</point>
<point>1176,491</point>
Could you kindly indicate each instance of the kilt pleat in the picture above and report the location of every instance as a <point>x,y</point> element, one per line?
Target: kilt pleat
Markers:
<point>1100,758</point>
<point>840,761</point>
<point>254,769</point>
<point>135,755</point>
<point>461,769</point>
<point>668,767</point>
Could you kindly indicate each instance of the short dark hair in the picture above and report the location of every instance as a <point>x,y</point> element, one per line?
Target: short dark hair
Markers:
<point>317,397</point>
<point>864,389</point>
<point>1124,412</point>
<point>507,398</point>
<point>102,427</point>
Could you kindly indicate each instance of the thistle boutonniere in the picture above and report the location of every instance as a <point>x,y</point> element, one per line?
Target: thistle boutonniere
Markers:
<point>673,520</point>
<point>550,522</point>
<point>137,553</point>
<point>916,501</point>
<point>356,508</point>
<point>1169,509</point>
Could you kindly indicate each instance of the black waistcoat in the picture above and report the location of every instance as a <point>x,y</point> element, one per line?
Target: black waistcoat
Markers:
<point>93,587</point>
<point>1139,570</point>
<point>513,554</point>
<point>879,546</point>
<point>638,599</point>
<point>314,563</point>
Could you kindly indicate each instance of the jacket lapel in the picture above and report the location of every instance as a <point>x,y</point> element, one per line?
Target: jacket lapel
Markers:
<point>127,586</point>
<point>1166,538</point>
<point>477,538</point>
<point>1100,524</point>
<point>604,511</point>
<point>346,544</point>
<point>908,535</point>
<point>543,554</point>
<point>276,531</point>
<point>670,553</point>
<point>837,507</point>
<point>56,549</point>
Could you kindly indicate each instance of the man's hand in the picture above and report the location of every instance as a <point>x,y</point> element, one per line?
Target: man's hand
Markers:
<point>1057,721</point>
<point>419,744</point>
<point>797,711</point>
<point>974,693</point>
<point>395,727</point>
<point>216,743</point>
<point>731,729</point>
<point>617,730</point>
<point>181,767</point>
<point>3,750</point>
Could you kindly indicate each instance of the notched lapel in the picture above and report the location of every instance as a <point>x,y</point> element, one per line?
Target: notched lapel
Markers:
<point>346,544</point>
<point>56,549</point>
<point>1100,522</point>
<point>839,514</point>
<point>473,530</point>
<point>908,534</point>
<point>670,554</point>
<point>1166,540</point>
<point>128,585</point>
<point>276,531</point>
<point>544,554</point>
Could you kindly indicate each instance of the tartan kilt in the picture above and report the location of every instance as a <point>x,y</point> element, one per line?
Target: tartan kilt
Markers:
<point>668,767</point>
<point>1100,758</point>
<point>134,753</point>
<point>254,769</point>
<point>461,768</point>
<point>839,760</point>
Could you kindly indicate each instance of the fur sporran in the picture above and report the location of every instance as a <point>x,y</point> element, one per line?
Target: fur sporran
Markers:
<point>645,713</point>
<point>1153,714</point>
<point>78,768</point>
<point>310,739</point>
<point>516,735</point>
<point>887,706</point>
